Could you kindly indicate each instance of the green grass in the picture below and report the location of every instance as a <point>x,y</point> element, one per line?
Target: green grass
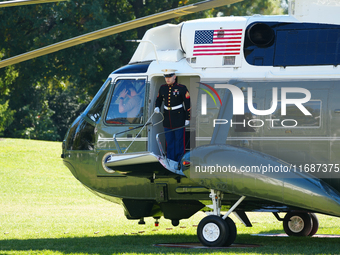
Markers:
<point>45,210</point>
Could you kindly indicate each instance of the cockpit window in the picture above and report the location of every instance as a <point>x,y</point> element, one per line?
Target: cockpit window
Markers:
<point>96,107</point>
<point>81,136</point>
<point>127,102</point>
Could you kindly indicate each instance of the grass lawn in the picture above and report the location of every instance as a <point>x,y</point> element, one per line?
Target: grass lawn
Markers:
<point>45,210</point>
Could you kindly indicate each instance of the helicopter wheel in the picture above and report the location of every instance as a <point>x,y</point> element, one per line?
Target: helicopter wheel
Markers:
<point>232,231</point>
<point>213,231</point>
<point>315,222</point>
<point>298,224</point>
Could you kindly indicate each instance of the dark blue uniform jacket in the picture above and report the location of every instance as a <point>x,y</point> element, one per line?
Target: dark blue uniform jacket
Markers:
<point>172,96</point>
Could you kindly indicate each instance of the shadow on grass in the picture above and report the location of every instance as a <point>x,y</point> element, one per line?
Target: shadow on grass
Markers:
<point>143,244</point>
<point>272,231</point>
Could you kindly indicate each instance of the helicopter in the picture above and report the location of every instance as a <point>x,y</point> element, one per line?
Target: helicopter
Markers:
<point>264,129</point>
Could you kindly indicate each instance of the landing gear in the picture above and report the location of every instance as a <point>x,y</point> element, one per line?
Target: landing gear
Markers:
<point>215,230</point>
<point>300,224</point>
<point>232,232</point>
<point>315,222</point>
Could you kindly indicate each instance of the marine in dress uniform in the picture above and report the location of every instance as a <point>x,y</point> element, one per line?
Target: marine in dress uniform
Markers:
<point>176,113</point>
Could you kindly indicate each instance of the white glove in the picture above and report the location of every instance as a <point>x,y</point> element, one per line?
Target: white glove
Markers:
<point>187,122</point>
<point>156,110</point>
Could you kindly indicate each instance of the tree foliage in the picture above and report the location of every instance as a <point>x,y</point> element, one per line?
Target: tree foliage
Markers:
<point>6,114</point>
<point>40,97</point>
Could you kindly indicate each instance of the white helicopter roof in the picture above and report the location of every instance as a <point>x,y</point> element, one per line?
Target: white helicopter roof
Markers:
<point>175,42</point>
<point>193,46</point>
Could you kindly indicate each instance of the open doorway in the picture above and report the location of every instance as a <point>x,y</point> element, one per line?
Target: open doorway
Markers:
<point>192,83</point>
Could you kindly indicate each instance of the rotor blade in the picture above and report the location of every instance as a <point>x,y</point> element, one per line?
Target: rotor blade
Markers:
<point>26,2</point>
<point>174,13</point>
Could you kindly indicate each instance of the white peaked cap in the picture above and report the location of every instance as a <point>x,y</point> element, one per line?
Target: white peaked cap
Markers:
<point>168,71</point>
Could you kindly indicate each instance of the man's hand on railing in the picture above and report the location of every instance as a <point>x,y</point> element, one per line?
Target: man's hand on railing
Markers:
<point>187,122</point>
<point>156,110</point>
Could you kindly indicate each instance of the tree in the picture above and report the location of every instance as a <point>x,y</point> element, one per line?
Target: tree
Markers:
<point>67,106</point>
<point>6,114</point>
<point>40,86</point>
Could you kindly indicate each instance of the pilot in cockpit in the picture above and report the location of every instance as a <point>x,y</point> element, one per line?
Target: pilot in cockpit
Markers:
<point>126,105</point>
<point>129,102</point>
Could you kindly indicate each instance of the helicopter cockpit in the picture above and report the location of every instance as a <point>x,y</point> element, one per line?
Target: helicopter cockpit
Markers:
<point>127,102</point>
<point>120,119</point>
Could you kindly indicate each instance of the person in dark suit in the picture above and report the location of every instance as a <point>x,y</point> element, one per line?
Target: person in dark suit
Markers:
<point>176,99</point>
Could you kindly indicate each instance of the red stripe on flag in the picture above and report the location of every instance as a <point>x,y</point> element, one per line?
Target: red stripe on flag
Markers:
<point>228,34</point>
<point>217,50</point>
<point>229,30</point>
<point>225,38</point>
<point>218,46</point>
<point>211,54</point>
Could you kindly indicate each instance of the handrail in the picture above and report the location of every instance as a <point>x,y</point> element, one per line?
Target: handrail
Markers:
<point>122,132</point>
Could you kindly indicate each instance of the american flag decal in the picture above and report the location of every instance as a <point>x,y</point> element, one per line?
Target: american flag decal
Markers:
<point>217,42</point>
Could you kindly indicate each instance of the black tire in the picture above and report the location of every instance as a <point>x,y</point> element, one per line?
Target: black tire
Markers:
<point>232,232</point>
<point>213,231</point>
<point>297,224</point>
<point>315,222</point>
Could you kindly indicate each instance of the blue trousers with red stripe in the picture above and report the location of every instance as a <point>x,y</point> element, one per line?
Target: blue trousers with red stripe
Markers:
<point>175,143</point>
